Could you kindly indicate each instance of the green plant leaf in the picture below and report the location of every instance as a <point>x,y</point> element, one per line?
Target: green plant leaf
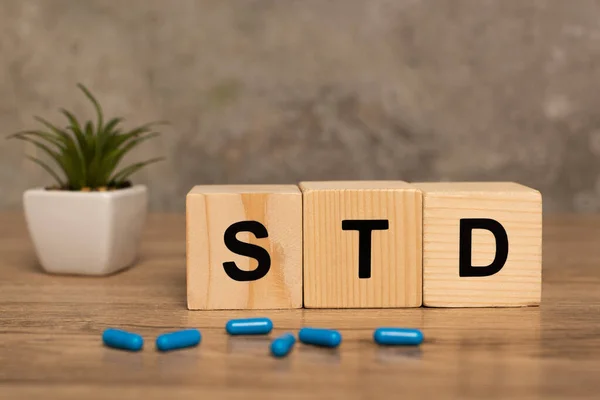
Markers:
<point>48,169</point>
<point>105,135</point>
<point>126,172</point>
<point>110,125</point>
<point>116,155</point>
<point>71,156</point>
<point>114,158</point>
<point>84,151</point>
<point>65,137</point>
<point>97,165</point>
<point>89,95</point>
<point>88,155</point>
<point>50,138</point>
<point>121,139</point>
<point>75,127</point>
<point>53,154</point>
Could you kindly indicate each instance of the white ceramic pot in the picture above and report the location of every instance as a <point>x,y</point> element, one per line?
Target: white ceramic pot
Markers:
<point>86,233</point>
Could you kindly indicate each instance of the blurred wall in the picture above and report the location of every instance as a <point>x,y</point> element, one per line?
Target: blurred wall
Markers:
<point>278,91</point>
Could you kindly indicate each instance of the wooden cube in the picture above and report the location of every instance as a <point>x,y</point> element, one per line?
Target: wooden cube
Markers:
<point>244,247</point>
<point>482,244</point>
<point>362,244</point>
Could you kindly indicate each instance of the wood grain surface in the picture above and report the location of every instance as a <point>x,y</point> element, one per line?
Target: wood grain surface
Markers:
<point>331,254</point>
<point>211,210</point>
<point>51,326</point>
<point>517,208</point>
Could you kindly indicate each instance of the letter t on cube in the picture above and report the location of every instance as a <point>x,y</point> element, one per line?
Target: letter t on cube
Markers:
<point>244,247</point>
<point>362,244</point>
<point>482,244</point>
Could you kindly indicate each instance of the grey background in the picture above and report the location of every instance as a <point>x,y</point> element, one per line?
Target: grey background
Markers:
<point>278,91</point>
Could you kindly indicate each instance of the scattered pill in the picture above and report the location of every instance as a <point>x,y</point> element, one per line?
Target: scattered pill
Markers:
<point>281,346</point>
<point>178,340</point>
<point>320,337</point>
<point>249,326</point>
<point>398,336</point>
<point>122,339</point>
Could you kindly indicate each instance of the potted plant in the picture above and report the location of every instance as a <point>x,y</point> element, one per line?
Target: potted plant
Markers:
<point>90,221</point>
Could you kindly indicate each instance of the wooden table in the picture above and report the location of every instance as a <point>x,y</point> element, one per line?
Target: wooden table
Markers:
<point>51,327</point>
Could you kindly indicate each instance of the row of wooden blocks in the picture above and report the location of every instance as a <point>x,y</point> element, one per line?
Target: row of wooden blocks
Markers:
<point>363,244</point>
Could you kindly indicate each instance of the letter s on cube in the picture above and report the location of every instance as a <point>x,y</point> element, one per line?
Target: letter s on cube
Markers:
<point>244,247</point>
<point>482,244</point>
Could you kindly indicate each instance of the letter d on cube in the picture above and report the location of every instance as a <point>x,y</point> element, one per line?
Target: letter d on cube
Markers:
<point>482,244</point>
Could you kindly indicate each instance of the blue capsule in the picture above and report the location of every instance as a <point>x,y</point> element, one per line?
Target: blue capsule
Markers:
<point>320,337</point>
<point>178,340</point>
<point>124,340</point>
<point>249,326</point>
<point>281,346</point>
<point>398,336</point>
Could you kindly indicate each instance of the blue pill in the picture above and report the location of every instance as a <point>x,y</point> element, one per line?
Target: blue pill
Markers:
<point>398,336</point>
<point>249,326</point>
<point>122,339</point>
<point>320,337</point>
<point>281,346</point>
<point>178,340</point>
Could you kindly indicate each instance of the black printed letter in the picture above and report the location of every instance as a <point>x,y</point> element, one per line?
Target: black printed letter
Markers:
<point>245,249</point>
<point>364,228</point>
<point>465,247</point>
